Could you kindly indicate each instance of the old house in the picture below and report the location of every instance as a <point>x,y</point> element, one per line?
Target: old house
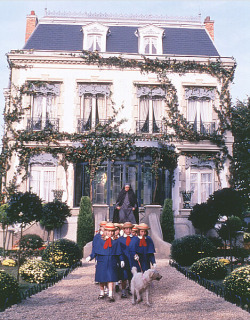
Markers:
<point>77,76</point>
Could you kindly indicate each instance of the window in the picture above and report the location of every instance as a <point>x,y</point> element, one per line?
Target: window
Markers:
<point>200,109</point>
<point>150,40</point>
<point>43,114</point>
<point>150,45</point>
<point>94,42</point>
<point>94,37</point>
<point>151,109</point>
<point>93,105</point>
<point>201,183</point>
<point>43,181</point>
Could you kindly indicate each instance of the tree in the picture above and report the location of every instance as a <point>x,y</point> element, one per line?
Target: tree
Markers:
<point>240,168</point>
<point>4,223</point>
<point>226,202</point>
<point>85,223</point>
<point>203,217</point>
<point>54,215</point>
<point>228,231</point>
<point>167,221</point>
<point>23,208</point>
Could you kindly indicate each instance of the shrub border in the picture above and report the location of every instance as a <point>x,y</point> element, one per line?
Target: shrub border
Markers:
<point>242,302</point>
<point>10,301</point>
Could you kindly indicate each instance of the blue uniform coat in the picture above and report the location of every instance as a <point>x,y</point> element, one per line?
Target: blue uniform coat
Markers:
<point>108,260</point>
<point>146,254</point>
<point>126,271</point>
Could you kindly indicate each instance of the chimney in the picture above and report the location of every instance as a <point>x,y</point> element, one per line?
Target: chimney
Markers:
<point>31,22</point>
<point>209,25</point>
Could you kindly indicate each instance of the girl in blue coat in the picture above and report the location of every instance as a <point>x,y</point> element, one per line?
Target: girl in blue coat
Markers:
<point>108,254</point>
<point>143,248</point>
<point>125,240</point>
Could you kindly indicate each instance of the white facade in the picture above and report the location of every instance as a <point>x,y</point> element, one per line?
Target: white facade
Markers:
<point>68,71</point>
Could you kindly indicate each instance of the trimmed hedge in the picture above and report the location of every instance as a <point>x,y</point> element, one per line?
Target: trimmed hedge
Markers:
<point>31,242</point>
<point>209,268</point>
<point>238,282</point>
<point>189,249</point>
<point>37,271</point>
<point>63,253</point>
<point>9,288</point>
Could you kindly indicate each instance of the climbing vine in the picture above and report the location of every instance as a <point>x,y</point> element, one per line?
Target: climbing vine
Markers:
<point>106,142</point>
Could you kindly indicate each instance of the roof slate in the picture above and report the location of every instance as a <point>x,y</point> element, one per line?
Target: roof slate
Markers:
<point>177,41</point>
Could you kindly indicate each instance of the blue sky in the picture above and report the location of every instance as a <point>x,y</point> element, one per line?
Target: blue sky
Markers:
<point>232,27</point>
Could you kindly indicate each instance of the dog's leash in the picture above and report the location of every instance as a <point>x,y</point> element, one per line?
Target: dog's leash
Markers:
<point>136,257</point>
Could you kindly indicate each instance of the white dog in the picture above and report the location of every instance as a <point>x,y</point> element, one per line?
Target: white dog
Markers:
<point>141,282</point>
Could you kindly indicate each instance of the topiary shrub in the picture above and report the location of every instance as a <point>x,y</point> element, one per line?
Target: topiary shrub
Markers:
<point>238,282</point>
<point>63,253</point>
<point>85,223</point>
<point>31,242</point>
<point>209,268</point>
<point>37,271</point>
<point>167,221</point>
<point>189,249</point>
<point>9,288</point>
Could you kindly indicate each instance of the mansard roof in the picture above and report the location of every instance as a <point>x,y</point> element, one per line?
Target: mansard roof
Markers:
<point>186,41</point>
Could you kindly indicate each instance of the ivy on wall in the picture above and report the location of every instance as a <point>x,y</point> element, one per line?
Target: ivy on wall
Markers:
<point>106,141</point>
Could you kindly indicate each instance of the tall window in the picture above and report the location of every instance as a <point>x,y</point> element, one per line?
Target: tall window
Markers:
<point>200,109</point>
<point>93,105</point>
<point>201,183</point>
<point>151,110</point>
<point>44,107</point>
<point>43,181</point>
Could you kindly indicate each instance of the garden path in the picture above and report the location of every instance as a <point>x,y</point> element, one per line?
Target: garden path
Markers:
<point>174,297</point>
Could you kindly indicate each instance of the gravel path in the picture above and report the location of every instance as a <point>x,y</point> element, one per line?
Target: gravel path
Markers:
<point>173,297</point>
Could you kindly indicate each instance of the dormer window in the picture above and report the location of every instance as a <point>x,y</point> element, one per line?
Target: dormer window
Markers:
<point>94,37</point>
<point>150,45</point>
<point>150,40</point>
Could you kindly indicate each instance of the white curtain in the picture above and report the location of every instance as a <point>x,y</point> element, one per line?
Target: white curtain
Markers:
<point>50,109</point>
<point>94,42</point>
<point>38,106</point>
<point>144,109</point>
<point>87,107</point>
<point>194,187</point>
<point>35,181</point>
<point>192,110</point>
<point>48,185</point>
<point>101,107</point>
<point>157,108</point>
<point>206,186</point>
<point>205,110</point>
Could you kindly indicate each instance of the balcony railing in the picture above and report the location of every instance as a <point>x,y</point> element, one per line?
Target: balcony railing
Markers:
<point>87,125</point>
<point>38,124</point>
<point>150,126</point>
<point>203,127</point>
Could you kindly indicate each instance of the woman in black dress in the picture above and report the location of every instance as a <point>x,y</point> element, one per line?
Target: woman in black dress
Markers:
<point>126,208</point>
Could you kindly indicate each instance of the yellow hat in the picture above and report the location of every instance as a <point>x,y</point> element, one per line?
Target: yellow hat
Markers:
<point>117,225</point>
<point>109,226</point>
<point>143,226</point>
<point>102,223</point>
<point>135,227</point>
<point>127,225</point>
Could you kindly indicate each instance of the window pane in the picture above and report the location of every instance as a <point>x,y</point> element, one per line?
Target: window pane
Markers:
<point>100,186</point>
<point>35,182</point>
<point>194,187</point>
<point>49,185</point>
<point>206,186</point>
